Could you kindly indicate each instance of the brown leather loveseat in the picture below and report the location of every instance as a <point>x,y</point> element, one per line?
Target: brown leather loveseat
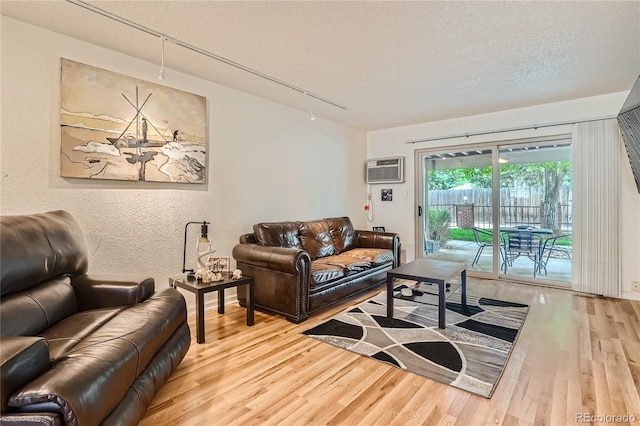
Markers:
<point>79,349</point>
<point>301,267</point>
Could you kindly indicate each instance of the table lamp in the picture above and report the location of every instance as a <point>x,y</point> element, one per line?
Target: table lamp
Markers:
<point>203,239</point>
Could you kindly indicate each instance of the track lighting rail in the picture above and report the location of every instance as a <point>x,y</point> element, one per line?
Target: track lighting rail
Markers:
<point>196,49</point>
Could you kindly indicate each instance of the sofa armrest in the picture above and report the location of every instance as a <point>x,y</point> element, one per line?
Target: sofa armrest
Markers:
<point>95,291</point>
<point>282,276</point>
<point>22,360</point>
<point>281,259</point>
<point>383,240</point>
<point>30,419</point>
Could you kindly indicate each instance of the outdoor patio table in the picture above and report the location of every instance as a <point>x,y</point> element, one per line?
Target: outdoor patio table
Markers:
<point>529,230</point>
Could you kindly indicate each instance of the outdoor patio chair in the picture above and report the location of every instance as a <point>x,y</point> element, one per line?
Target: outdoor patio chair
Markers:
<point>522,244</point>
<point>488,234</point>
<point>550,248</point>
<point>503,252</point>
<point>478,233</point>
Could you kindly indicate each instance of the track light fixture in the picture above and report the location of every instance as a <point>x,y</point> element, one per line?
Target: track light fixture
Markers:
<point>161,76</point>
<point>306,100</point>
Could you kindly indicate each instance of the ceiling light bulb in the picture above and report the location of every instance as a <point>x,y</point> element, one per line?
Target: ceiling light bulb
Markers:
<point>306,101</point>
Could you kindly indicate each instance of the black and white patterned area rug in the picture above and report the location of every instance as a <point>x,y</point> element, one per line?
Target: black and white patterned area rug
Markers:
<point>470,353</point>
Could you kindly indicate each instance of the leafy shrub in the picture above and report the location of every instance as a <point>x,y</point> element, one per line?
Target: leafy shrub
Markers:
<point>438,225</point>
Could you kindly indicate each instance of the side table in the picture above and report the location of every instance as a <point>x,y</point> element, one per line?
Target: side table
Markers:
<point>199,289</point>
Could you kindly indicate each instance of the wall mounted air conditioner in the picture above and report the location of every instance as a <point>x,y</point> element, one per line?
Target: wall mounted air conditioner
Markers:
<point>385,170</point>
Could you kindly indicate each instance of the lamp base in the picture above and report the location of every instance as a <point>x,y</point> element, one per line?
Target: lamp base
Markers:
<point>191,276</point>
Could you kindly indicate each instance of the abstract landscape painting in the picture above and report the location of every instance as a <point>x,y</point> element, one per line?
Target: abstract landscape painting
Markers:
<point>118,127</point>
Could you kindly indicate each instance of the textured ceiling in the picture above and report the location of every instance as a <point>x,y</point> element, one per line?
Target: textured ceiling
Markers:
<point>391,63</point>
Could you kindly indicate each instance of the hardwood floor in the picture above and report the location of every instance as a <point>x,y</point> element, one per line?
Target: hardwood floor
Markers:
<point>577,357</point>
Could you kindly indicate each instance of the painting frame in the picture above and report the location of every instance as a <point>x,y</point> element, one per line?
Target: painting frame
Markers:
<point>223,262</point>
<point>117,127</point>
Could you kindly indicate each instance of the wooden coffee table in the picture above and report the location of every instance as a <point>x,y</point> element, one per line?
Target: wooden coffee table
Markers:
<point>438,272</point>
<point>199,289</point>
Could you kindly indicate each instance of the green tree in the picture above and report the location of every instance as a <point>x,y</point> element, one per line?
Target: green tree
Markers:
<point>520,175</point>
<point>548,175</point>
<point>555,174</point>
<point>479,177</point>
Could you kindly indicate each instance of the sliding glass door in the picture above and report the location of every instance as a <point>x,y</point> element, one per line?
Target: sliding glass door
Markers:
<point>456,215</point>
<point>504,209</point>
<point>536,209</point>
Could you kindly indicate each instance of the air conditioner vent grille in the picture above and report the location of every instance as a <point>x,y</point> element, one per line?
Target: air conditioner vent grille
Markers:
<point>385,170</point>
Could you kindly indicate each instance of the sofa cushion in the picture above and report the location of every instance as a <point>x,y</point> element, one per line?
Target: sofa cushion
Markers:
<point>342,233</point>
<point>66,334</point>
<point>34,310</point>
<point>316,239</point>
<point>348,263</point>
<point>322,273</point>
<point>278,234</point>
<point>147,325</point>
<point>374,256</point>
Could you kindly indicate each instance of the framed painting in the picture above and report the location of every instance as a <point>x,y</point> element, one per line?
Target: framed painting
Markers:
<point>118,127</point>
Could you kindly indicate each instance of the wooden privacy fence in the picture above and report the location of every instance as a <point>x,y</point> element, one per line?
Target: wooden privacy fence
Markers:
<point>519,206</point>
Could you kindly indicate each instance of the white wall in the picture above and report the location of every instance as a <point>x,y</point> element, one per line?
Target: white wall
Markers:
<point>399,214</point>
<point>266,162</point>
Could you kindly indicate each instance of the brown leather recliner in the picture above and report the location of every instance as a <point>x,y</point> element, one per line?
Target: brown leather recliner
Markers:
<point>79,349</point>
<point>301,267</point>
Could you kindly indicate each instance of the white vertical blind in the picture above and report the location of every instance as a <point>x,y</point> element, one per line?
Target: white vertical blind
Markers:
<point>596,204</point>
